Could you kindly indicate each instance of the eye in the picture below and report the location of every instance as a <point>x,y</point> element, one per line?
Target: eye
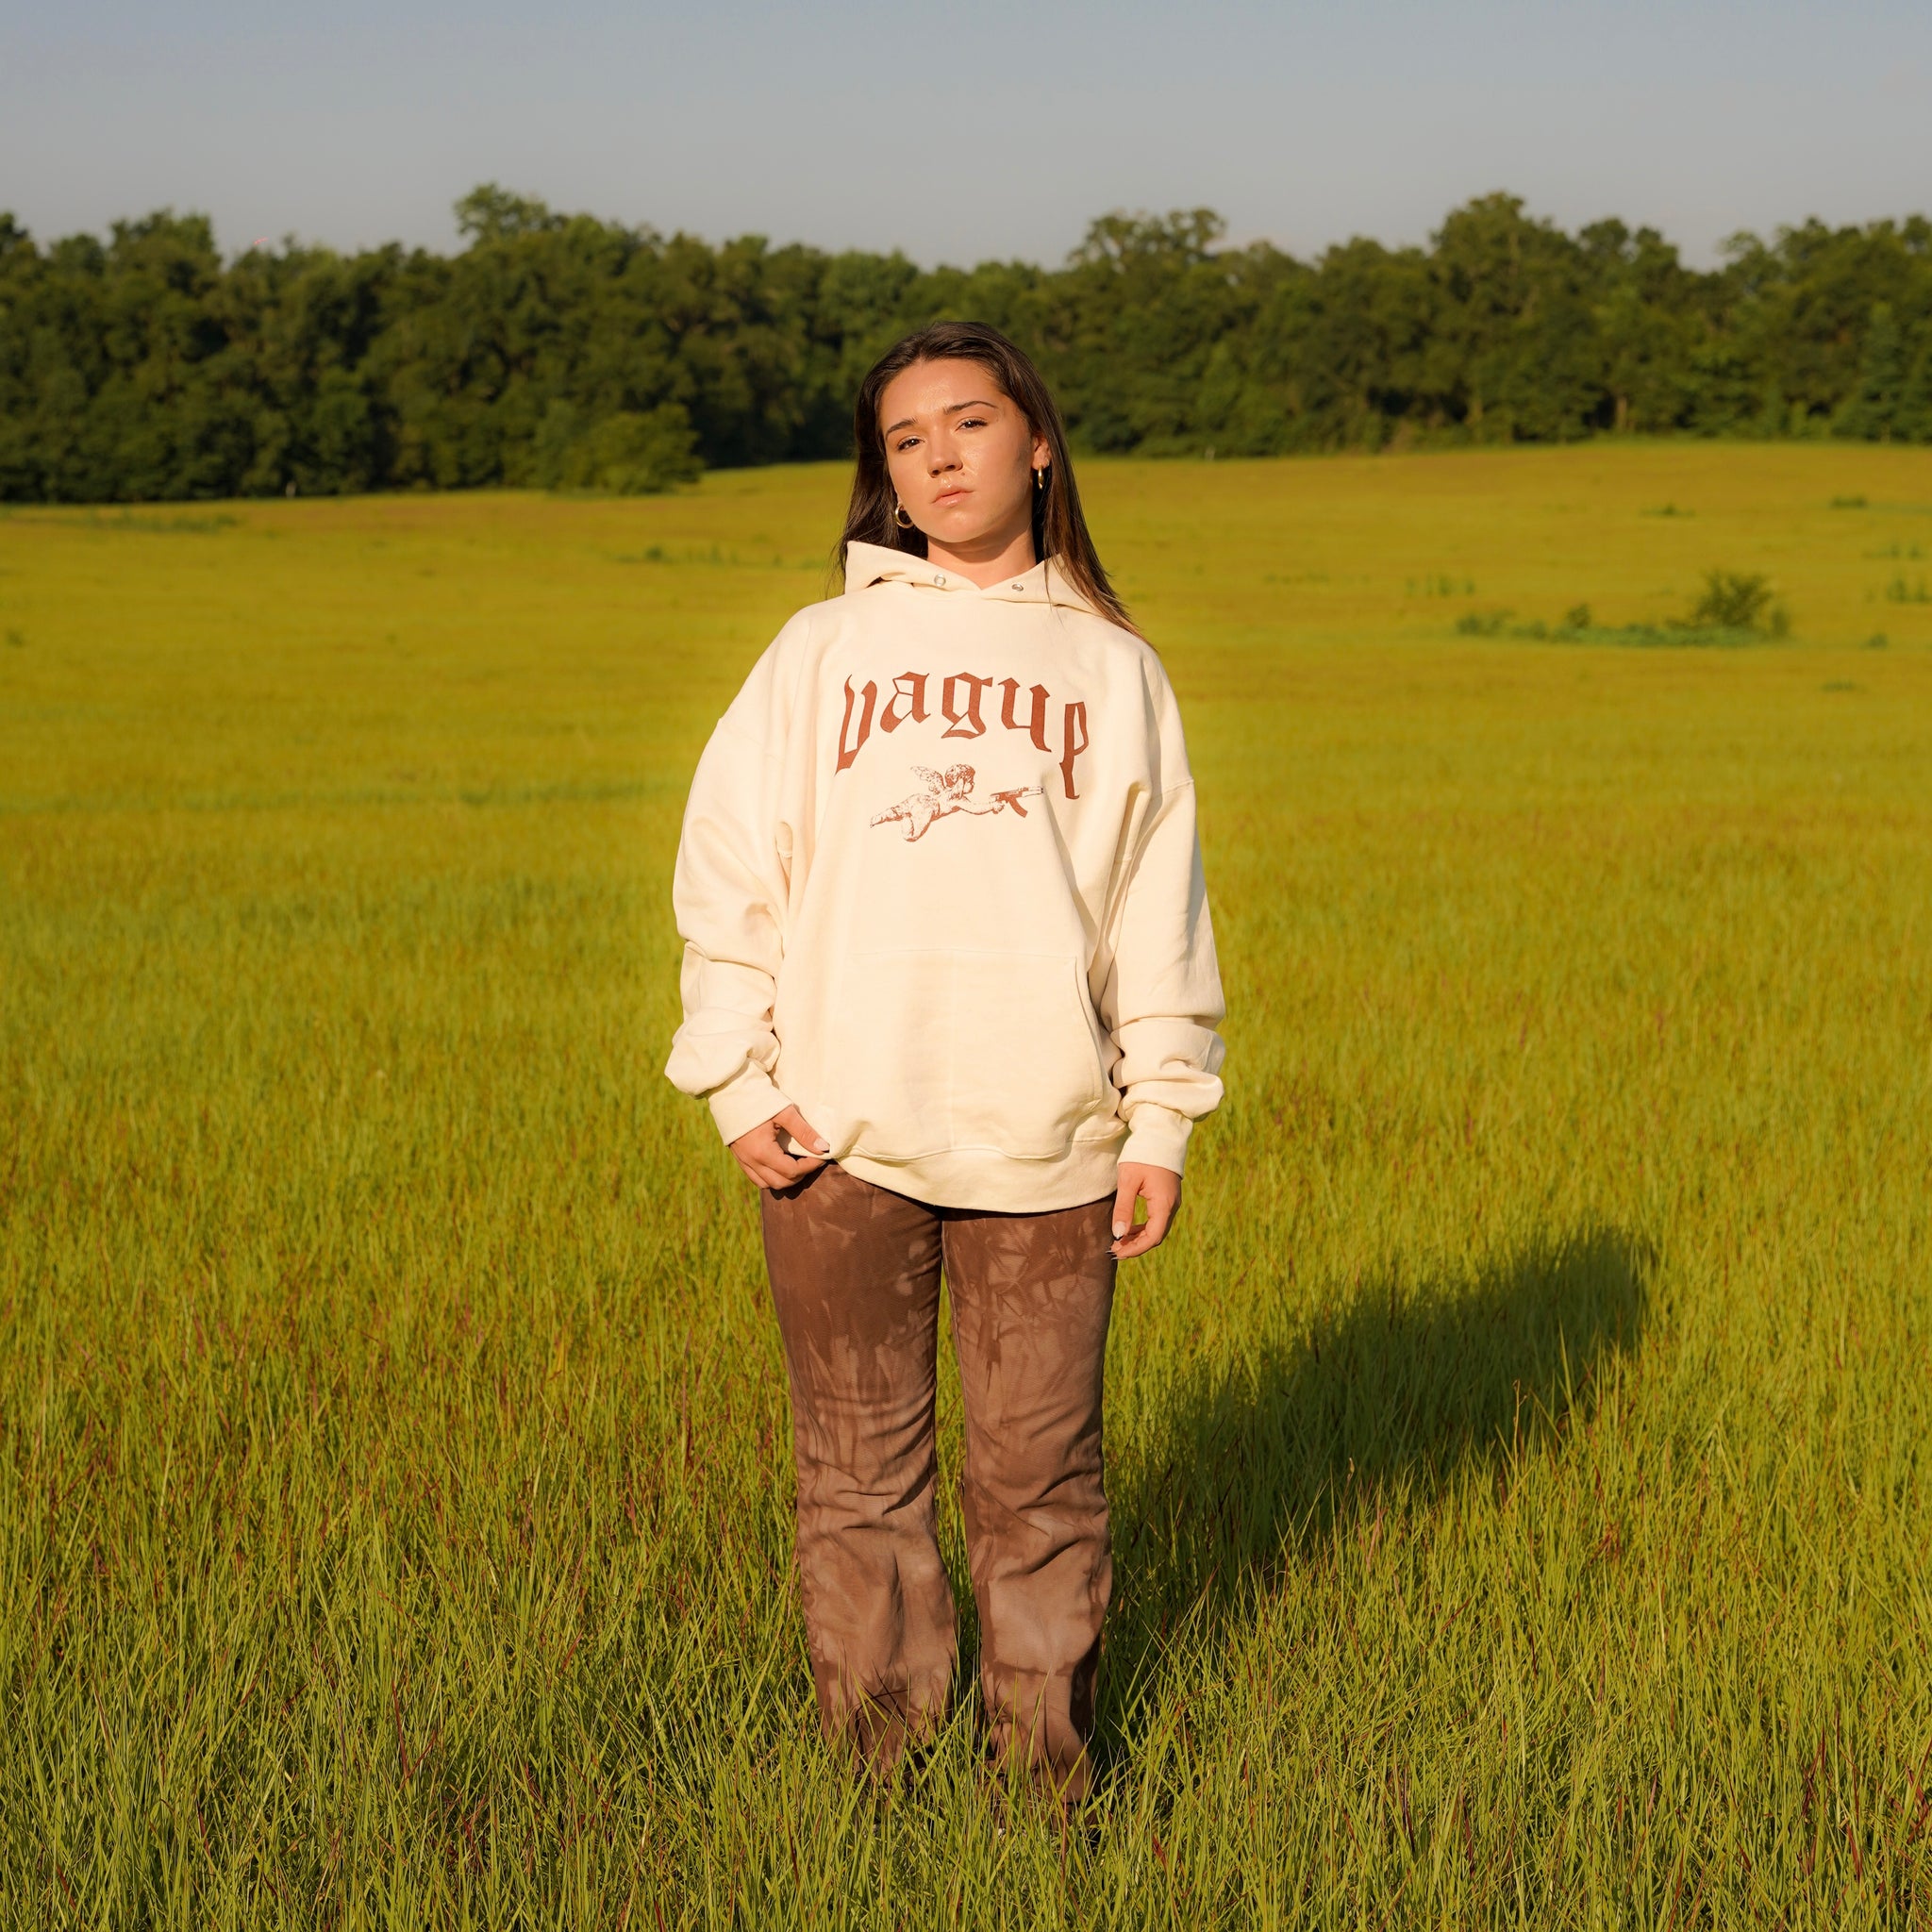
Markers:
<point>903,444</point>
<point>972,422</point>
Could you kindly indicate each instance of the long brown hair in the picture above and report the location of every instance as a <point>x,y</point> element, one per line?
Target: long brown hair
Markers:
<point>1060,528</point>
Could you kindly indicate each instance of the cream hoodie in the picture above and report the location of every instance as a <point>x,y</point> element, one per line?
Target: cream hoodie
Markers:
<point>939,885</point>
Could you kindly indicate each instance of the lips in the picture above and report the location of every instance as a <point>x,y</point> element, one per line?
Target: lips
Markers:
<point>948,497</point>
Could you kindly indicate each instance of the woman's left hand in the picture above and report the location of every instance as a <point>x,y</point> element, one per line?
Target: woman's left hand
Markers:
<point>1161,1188</point>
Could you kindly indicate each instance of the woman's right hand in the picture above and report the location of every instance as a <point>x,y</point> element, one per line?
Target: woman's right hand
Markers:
<point>762,1155</point>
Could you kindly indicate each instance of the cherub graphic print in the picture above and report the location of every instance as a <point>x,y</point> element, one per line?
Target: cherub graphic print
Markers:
<point>949,791</point>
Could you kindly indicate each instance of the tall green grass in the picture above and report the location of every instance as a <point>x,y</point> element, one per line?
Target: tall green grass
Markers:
<point>1516,1453</point>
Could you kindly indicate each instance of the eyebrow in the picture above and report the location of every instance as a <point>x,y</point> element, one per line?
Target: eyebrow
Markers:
<point>950,409</point>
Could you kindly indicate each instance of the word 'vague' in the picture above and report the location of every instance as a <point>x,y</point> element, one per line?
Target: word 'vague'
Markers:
<point>962,699</point>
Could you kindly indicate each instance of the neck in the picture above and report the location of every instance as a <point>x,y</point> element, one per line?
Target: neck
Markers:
<point>986,561</point>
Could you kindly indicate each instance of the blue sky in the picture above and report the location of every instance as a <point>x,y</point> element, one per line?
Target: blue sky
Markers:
<point>961,132</point>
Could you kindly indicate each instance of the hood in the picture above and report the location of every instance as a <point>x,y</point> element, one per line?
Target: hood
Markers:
<point>867,564</point>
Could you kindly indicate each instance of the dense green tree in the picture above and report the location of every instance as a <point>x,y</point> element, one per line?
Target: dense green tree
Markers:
<point>1649,317</point>
<point>1515,350</point>
<point>565,351</point>
<point>1872,409</point>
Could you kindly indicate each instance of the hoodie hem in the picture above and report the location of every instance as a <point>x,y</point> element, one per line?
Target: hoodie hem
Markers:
<point>986,1182</point>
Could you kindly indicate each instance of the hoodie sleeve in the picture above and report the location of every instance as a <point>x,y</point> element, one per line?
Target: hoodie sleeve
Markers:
<point>1163,1000</point>
<point>729,892</point>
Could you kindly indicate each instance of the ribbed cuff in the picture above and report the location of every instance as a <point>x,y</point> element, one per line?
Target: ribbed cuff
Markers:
<point>1157,1137</point>
<point>745,1100</point>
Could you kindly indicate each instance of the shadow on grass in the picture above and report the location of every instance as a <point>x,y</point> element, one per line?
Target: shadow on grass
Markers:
<point>1261,1462</point>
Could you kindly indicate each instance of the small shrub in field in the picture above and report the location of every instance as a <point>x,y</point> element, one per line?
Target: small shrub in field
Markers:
<point>1482,623</point>
<point>1732,600</point>
<point>1735,609</point>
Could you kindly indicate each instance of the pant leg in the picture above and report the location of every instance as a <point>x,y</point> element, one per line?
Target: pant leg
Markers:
<point>1031,1297</point>
<point>855,1275</point>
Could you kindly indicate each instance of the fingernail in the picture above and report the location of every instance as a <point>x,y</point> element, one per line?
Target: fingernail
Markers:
<point>1117,1230</point>
<point>822,1146</point>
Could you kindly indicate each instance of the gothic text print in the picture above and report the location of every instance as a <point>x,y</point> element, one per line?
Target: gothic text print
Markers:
<point>962,702</point>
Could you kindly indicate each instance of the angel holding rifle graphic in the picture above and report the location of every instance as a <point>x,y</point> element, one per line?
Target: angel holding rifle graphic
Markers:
<point>949,791</point>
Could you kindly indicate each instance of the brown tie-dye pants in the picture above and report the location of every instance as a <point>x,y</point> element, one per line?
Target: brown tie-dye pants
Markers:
<point>855,1279</point>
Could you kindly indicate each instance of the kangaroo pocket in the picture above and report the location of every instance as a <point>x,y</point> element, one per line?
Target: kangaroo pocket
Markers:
<point>939,1049</point>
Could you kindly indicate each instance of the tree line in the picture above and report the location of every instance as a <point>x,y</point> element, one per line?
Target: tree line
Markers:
<point>568,352</point>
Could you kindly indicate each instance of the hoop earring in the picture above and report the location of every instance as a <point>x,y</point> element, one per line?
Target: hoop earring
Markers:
<point>1040,478</point>
<point>899,516</point>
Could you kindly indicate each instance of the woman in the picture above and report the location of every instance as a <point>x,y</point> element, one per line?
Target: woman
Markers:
<point>950,990</point>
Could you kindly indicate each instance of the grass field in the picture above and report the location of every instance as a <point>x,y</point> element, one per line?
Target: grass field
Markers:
<point>1518,1453</point>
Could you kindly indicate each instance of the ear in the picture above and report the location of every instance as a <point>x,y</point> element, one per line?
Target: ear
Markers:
<point>1042,452</point>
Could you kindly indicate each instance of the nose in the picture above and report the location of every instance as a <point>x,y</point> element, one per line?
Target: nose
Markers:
<point>939,460</point>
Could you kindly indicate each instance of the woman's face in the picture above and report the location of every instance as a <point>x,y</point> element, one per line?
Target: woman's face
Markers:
<point>960,454</point>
